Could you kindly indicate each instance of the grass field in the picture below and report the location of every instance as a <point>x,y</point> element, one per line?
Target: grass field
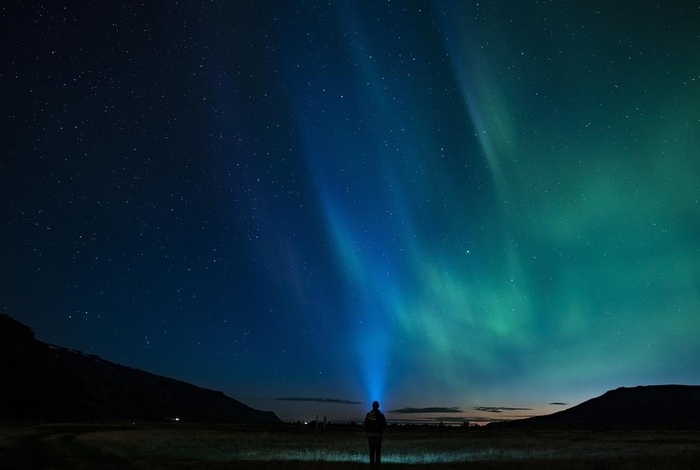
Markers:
<point>191,446</point>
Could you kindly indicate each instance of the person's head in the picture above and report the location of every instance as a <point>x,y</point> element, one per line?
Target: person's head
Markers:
<point>375,405</point>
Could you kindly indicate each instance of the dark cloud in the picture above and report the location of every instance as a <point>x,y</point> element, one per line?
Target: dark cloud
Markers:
<point>558,403</point>
<point>434,409</point>
<point>450,419</point>
<point>499,409</point>
<point>445,419</point>
<point>320,400</point>
<point>483,419</point>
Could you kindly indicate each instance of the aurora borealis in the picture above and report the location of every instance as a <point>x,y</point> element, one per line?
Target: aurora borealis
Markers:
<point>483,206</point>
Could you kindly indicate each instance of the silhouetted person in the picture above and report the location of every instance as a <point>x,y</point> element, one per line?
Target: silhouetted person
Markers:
<point>374,425</point>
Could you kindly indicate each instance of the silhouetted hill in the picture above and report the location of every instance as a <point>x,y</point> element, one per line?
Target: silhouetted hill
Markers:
<point>42,381</point>
<point>670,406</point>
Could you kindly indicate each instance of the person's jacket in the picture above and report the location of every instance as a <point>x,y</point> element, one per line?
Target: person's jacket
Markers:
<point>375,422</point>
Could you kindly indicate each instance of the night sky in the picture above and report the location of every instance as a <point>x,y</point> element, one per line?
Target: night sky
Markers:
<point>475,209</point>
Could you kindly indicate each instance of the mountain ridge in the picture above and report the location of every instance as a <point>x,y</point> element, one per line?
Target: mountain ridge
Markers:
<point>675,406</point>
<point>53,383</point>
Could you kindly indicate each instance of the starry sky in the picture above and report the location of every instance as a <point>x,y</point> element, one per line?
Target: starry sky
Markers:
<point>463,209</point>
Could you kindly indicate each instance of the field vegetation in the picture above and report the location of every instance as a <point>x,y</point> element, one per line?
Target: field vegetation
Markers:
<point>177,445</point>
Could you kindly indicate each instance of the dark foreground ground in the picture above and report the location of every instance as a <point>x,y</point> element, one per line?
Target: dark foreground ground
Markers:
<point>176,445</point>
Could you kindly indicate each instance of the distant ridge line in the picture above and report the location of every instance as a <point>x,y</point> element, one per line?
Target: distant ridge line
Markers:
<point>51,383</point>
<point>653,406</point>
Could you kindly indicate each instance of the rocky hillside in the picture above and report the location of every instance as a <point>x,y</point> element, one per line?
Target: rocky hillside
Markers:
<point>42,381</point>
<point>657,406</point>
